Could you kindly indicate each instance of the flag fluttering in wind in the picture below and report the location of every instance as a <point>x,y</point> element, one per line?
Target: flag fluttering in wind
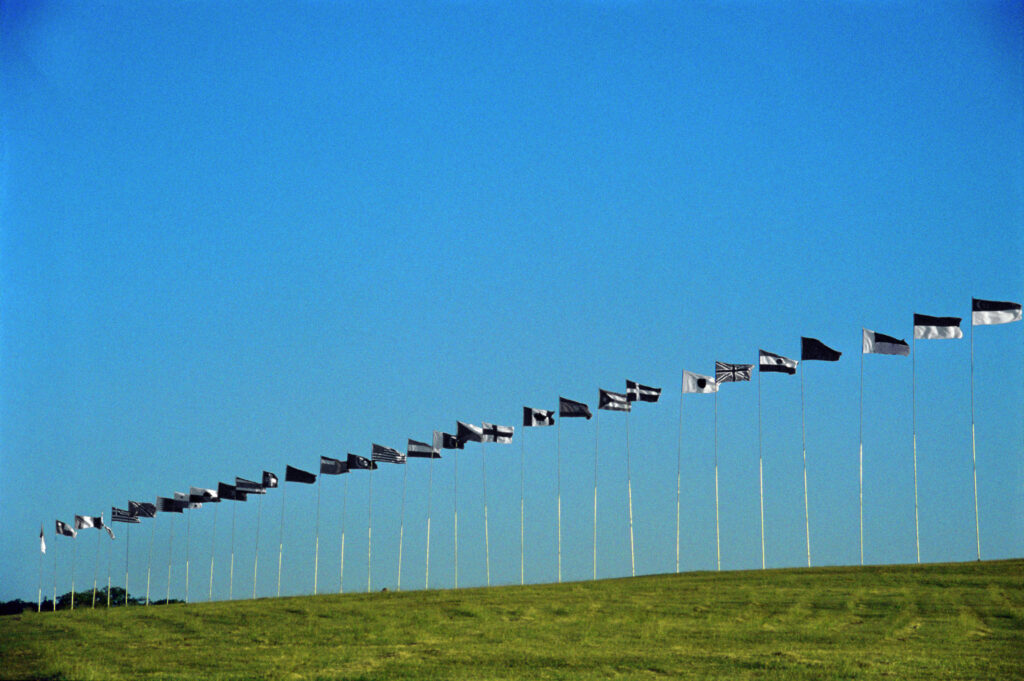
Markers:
<point>421,450</point>
<point>613,401</point>
<point>732,373</point>
<point>386,454</point>
<point>229,492</point>
<point>698,383</point>
<point>769,361</point>
<point>42,539</point>
<point>119,515</point>
<point>495,433</point>
<point>467,432</point>
<point>880,344</point>
<point>186,500</point>
<point>994,312</point>
<point>329,466</point>
<point>83,522</point>
<point>449,441</point>
<point>109,531</point>
<point>269,480</point>
<point>641,393</point>
<point>538,417</point>
<point>65,529</point>
<point>292,474</point>
<point>572,409</point>
<point>248,486</point>
<point>931,328</point>
<point>812,348</point>
<point>142,509</point>
<point>201,495</point>
<point>165,505</point>
<point>360,463</point>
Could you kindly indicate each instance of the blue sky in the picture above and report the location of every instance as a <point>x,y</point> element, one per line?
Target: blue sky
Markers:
<point>240,236</point>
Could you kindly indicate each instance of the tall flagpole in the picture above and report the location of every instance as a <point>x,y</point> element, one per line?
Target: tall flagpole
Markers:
<point>213,550</point>
<point>597,437</point>
<point>55,574</point>
<point>861,459</point>
<point>679,471</point>
<point>718,544</point>
<point>913,420</point>
<point>974,460</point>
<point>558,479</point>
<point>455,508</point>
<point>280,542</point>
<point>149,560</point>
<point>74,551</point>
<point>760,464</point>
<point>256,553</point>
<point>96,569</point>
<point>629,488</point>
<point>369,531</point>
<point>803,438</point>
<point>170,554</point>
<point>401,524</point>
<point>110,554</point>
<point>430,489</point>
<point>487,536</point>
<point>522,510</point>
<point>341,566</point>
<point>316,550</point>
<point>39,603</point>
<point>188,534</point>
<point>127,543</point>
<point>231,570</point>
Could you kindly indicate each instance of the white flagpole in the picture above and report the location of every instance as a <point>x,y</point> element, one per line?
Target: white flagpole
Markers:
<point>341,566</point>
<point>213,550</point>
<point>487,536</point>
<point>170,554</point>
<point>803,437</point>
<point>760,464</point>
<point>110,554</point>
<point>913,419</point>
<point>679,472</point>
<point>401,523</point>
<point>316,550</point>
<point>629,488</point>
<point>280,542</point>
<point>256,553</point>
<point>74,551</point>
<point>127,543</point>
<point>96,568</point>
<point>718,543</point>
<point>188,534</point>
<point>597,439</point>
<point>522,509</point>
<point>39,603</point>
<point>369,530</point>
<point>231,570</point>
<point>974,460</point>
<point>430,489</point>
<point>55,573</point>
<point>558,479</point>
<point>149,559</point>
<point>861,459</point>
<point>455,507</point>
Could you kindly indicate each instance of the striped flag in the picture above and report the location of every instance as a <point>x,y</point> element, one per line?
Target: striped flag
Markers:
<point>769,361</point>
<point>421,450</point>
<point>643,393</point>
<point>495,433</point>
<point>613,401</point>
<point>65,529</point>
<point>880,344</point>
<point>119,515</point>
<point>537,417</point>
<point>732,373</point>
<point>994,312</point>
<point>384,454</point>
<point>930,328</point>
<point>249,486</point>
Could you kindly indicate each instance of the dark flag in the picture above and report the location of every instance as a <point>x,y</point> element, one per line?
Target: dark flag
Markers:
<point>880,344</point>
<point>298,475</point>
<point>165,505</point>
<point>571,409</point>
<point>769,361</point>
<point>84,522</point>
<point>538,417</point>
<point>496,433</point>
<point>698,383</point>
<point>248,486</point>
<point>732,373</point>
<point>812,348</point>
<point>229,492</point>
<point>643,393</point>
<point>201,495</point>
<point>449,441</point>
<point>360,463</point>
<point>119,515</point>
<point>65,529</point>
<point>994,312</point>
<point>329,466</point>
<point>186,501</point>
<point>467,432</point>
<point>613,401</point>
<point>421,450</point>
<point>142,509</point>
<point>928,328</point>
<point>269,480</point>
<point>386,454</point>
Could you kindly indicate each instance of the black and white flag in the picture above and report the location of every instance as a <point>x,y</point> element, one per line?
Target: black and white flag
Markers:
<point>384,454</point>
<point>449,441</point>
<point>732,373</point>
<point>642,393</point>
<point>269,480</point>
<point>142,509</point>
<point>360,463</point>
<point>421,450</point>
<point>930,328</point>
<point>65,529</point>
<point>467,432</point>
<point>165,505</point>
<point>495,433</point>
<point>572,409</point>
<point>994,312</point>
<point>42,538</point>
<point>880,344</point>
<point>186,500</point>
<point>329,466</point>
<point>292,474</point>
<point>769,361</point>
<point>538,417</point>
<point>83,522</point>
<point>119,515</point>
<point>109,531</point>
<point>612,401</point>
<point>249,486</point>
<point>812,348</point>
<point>698,383</point>
<point>201,495</point>
<point>229,492</point>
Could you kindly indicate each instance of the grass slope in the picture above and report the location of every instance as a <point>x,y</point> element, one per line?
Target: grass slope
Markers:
<point>950,621</point>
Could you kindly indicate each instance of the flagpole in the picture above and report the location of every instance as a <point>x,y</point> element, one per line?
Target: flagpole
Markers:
<point>597,438</point>
<point>231,570</point>
<point>861,459</point>
<point>522,510</point>
<point>629,488</point>
<point>679,471</point>
<point>127,543</point>
<point>55,573</point>
<point>74,552</point>
<point>913,420</point>
<point>455,508</point>
<point>316,550</point>
<point>401,524</point>
<point>149,559</point>
<point>213,547</point>
<point>110,554</point>
<point>341,566</point>
<point>760,464</point>
<point>188,534</point>
<point>96,569</point>
<point>718,544</point>
<point>369,530</point>
<point>39,603</point>
<point>430,489</point>
<point>170,553</point>
<point>558,479</point>
<point>256,553</point>
<point>803,438</point>
<point>280,542</point>
<point>487,537</point>
<point>974,460</point>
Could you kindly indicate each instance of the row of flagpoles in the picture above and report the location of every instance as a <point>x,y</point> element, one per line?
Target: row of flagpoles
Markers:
<point>984,312</point>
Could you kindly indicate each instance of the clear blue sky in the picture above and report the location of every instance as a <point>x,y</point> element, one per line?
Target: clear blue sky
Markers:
<point>239,236</point>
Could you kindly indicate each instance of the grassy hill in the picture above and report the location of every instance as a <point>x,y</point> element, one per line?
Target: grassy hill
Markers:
<point>949,621</point>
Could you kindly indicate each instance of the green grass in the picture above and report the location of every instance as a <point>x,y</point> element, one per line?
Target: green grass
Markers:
<point>950,621</point>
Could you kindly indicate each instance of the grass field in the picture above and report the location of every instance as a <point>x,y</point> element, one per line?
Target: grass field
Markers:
<point>949,621</point>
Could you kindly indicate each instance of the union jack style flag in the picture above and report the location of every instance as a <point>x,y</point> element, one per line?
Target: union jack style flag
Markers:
<point>727,373</point>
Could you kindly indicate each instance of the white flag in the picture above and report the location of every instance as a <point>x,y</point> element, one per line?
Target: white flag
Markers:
<point>697,383</point>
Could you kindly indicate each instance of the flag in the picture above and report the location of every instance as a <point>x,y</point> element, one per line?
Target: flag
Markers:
<point>186,500</point>
<point>732,373</point>
<point>697,383</point>
<point>298,475</point>
<point>449,441</point>
<point>880,344</point>
<point>612,401</point>
<point>929,328</point>
<point>386,454</point>
<point>165,505</point>
<point>538,417</point>
<point>467,432</point>
<point>421,450</point>
<point>269,480</point>
<point>83,522</point>
<point>356,462</point>
<point>65,529</point>
<point>571,409</point>
<point>329,466</point>
<point>119,515</point>
<point>994,312</point>
<point>769,361</point>
<point>812,348</point>
<point>229,492</point>
<point>142,509</point>
<point>42,539</point>
<point>495,433</point>
<point>249,486</point>
<point>200,495</point>
<point>643,393</point>
<point>109,531</point>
